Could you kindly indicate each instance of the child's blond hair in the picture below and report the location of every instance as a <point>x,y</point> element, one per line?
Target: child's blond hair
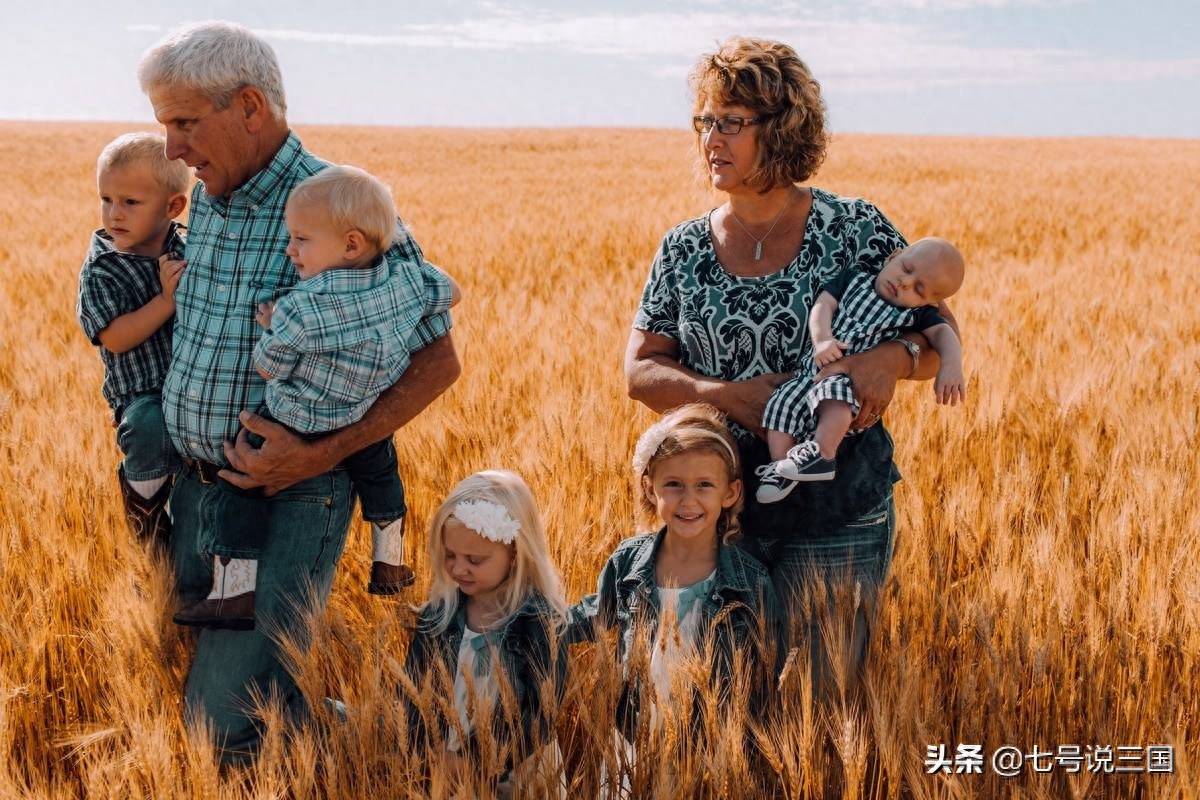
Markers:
<point>532,568</point>
<point>693,428</point>
<point>354,199</point>
<point>150,149</point>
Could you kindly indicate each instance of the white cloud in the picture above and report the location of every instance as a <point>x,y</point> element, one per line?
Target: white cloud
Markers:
<point>966,5</point>
<point>910,68</point>
<point>919,5</point>
<point>846,55</point>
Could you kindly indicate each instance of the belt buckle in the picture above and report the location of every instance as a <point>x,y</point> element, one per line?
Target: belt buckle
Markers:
<point>199,467</point>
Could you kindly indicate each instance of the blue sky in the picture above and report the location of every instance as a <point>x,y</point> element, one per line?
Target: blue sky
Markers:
<point>976,67</point>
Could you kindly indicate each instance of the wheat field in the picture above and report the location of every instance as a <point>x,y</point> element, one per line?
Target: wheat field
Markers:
<point>1046,584</point>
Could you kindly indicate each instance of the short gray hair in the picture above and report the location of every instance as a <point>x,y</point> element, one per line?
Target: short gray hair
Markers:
<point>216,59</point>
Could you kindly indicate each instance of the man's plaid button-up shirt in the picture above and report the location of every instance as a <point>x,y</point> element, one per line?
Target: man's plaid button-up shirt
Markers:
<point>236,260</point>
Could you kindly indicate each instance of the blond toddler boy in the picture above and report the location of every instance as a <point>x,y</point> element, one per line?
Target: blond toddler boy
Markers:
<point>125,306</point>
<point>329,348</point>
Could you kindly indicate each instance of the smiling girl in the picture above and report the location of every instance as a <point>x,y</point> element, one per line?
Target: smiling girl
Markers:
<point>685,586</point>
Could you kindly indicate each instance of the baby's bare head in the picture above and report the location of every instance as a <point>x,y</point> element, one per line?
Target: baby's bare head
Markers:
<point>939,264</point>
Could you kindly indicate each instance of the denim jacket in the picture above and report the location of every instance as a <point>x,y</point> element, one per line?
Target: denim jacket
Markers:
<point>741,600</point>
<point>531,648</point>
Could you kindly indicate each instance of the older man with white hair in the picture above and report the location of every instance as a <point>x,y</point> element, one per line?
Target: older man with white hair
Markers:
<point>217,90</point>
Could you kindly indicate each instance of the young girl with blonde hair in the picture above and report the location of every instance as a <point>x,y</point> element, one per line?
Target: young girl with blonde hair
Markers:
<point>493,626</point>
<point>685,585</point>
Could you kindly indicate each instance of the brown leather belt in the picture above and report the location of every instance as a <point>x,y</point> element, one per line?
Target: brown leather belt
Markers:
<point>205,470</point>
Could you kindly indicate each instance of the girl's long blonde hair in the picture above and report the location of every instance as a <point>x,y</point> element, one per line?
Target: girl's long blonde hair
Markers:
<point>695,427</point>
<point>532,568</point>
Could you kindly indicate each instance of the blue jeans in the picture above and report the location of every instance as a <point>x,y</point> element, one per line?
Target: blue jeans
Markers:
<point>829,583</point>
<point>241,528</point>
<point>376,476</point>
<point>143,439</point>
<point>306,532</point>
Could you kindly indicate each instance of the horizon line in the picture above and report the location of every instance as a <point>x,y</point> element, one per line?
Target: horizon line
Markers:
<point>603,127</point>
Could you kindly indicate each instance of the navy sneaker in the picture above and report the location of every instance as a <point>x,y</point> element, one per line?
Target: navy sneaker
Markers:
<point>772,487</point>
<point>804,463</point>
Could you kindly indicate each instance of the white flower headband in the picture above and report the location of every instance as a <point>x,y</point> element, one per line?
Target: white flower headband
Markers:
<point>490,520</point>
<point>649,442</point>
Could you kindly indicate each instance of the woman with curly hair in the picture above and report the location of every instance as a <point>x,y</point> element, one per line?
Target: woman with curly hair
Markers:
<point>723,316</point>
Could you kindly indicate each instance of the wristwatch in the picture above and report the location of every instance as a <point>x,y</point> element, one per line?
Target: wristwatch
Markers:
<point>914,350</point>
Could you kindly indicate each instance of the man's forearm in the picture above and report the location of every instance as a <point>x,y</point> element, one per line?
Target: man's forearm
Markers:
<point>432,371</point>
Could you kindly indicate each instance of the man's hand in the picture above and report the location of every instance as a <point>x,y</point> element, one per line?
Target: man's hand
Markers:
<point>286,459</point>
<point>170,270</point>
<point>949,387</point>
<point>283,460</point>
<point>827,351</point>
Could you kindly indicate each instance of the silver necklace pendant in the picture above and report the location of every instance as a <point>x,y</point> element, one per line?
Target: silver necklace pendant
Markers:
<point>758,243</point>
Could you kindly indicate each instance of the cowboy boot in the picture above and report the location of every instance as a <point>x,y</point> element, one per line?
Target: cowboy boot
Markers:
<point>146,517</point>
<point>230,604</point>
<point>389,573</point>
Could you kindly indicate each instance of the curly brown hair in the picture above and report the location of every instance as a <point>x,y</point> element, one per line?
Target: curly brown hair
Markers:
<point>768,77</point>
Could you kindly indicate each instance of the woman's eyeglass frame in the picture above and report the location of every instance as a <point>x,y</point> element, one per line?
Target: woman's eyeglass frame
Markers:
<point>726,126</point>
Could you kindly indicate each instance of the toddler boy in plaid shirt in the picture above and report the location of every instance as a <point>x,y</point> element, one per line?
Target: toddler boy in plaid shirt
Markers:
<point>125,306</point>
<point>326,361</point>
<point>854,312</point>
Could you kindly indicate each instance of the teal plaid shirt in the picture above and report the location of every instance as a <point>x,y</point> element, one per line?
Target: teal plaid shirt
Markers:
<point>236,260</point>
<point>342,337</point>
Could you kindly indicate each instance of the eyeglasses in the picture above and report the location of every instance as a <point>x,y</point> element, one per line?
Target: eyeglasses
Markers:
<point>729,126</point>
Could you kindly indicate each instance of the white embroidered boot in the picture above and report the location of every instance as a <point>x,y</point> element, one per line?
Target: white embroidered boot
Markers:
<point>230,604</point>
<point>389,573</point>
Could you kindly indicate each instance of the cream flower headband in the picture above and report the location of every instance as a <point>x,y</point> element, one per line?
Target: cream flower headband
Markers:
<point>649,442</point>
<point>490,520</point>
